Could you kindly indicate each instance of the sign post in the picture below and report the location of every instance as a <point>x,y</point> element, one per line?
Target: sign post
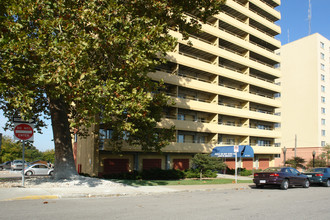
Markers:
<point>24,132</point>
<point>236,151</point>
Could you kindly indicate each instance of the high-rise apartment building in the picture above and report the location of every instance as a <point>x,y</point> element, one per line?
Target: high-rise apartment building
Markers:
<point>305,95</point>
<point>224,89</point>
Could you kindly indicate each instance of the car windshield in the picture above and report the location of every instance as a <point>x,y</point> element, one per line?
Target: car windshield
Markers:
<point>272,169</point>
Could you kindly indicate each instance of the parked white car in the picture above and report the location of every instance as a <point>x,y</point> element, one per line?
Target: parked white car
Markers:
<point>38,169</point>
<point>18,164</point>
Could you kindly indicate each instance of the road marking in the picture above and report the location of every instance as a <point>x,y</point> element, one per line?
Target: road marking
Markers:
<point>34,197</point>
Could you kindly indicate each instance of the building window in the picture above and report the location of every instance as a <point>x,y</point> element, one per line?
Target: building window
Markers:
<point>322,88</point>
<point>323,110</point>
<point>322,143</point>
<point>277,66</point>
<point>230,141</point>
<point>180,138</point>
<point>322,45</point>
<point>322,77</point>
<point>322,56</point>
<point>277,125</point>
<point>322,66</point>
<point>323,132</point>
<point>264,143</point>
<point>181,117</point>
<point>105,134</point>
<point>323,121</point>
<point>277,95</point>
<point>322,99</point>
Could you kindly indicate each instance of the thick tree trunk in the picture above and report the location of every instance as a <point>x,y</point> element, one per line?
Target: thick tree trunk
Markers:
<point>64,161</point>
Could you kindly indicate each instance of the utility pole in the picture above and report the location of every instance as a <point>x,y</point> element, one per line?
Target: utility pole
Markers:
<point>309,18</point>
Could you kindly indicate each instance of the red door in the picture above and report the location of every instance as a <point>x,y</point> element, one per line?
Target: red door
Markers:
<point>152,164</point>
<point>263,163</point>
<point>180,164</point>
<point>116,166</point>
<point>248,163</point>
<point>230,163</point>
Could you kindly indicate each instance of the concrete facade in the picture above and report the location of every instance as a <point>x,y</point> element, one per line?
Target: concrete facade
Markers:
<point>224,89</point>
<point>305,96</point>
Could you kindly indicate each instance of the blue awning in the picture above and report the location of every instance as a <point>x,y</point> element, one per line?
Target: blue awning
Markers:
<point>228,151</point>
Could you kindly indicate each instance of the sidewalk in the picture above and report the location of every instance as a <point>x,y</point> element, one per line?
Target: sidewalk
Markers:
<point>98,188</point>
<point>20,193</point>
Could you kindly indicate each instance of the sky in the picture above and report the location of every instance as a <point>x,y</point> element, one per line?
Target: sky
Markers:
<point>294,19</point>
<point>294,24</point>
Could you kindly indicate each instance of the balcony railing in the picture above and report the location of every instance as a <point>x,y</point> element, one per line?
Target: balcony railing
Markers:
<point>230,87</point>
<point>261,111</point>
<point>190,120</point>
<point>231,124</point>
<point>261,94</point>
<point>203,40</point>
<point>230,105</point>
<point>263,79</point>
<point>262,128</point>
<point>193,77</point>
<point>195,57</point>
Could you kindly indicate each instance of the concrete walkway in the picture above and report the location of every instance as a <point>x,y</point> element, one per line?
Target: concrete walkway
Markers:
<point>24,193</point>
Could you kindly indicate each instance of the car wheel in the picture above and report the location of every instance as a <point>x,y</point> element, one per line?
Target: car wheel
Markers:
<point>327,183</point>
<point>285,184</point>
<point>51,173</point>
<point>1,168</point>
<point>306,184</point>
<point>29,173</point>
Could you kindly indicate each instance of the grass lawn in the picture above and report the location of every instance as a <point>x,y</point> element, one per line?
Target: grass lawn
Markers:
<point>178,182</point>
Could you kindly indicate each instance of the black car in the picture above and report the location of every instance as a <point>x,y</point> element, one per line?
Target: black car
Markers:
<point>5,165</point>
<point>281,176</point>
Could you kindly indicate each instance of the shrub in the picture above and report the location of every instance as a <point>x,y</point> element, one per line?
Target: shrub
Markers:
<point>241,171</point>
<point>159,174</point>
<point>193,173</point>
<point>245,172</point>
<point>152,174</point>
<point>134,175</point>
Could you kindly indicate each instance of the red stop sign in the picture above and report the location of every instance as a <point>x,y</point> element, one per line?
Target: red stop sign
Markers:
<point>23,131</point>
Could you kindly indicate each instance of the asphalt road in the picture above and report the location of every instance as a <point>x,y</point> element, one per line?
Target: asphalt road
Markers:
<point>265,204</point>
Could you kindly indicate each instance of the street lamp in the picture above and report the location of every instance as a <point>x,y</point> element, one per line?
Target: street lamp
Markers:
<point>284,154</point>
<point>314,153</point>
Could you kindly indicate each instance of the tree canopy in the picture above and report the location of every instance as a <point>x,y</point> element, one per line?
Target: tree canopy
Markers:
<point>81,61</point>
<point>296,162</point>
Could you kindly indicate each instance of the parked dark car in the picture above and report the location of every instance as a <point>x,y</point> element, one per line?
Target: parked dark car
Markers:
<point>319,175</point>
<point>281,176</point>
<point>5,165</point>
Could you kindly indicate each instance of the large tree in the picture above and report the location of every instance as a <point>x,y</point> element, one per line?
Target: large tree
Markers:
<point>75,60</point>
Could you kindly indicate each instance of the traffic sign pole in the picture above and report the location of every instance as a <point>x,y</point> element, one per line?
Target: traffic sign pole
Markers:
<point>23,176</point>
<point>236,151</point>
<point>24,132</point>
